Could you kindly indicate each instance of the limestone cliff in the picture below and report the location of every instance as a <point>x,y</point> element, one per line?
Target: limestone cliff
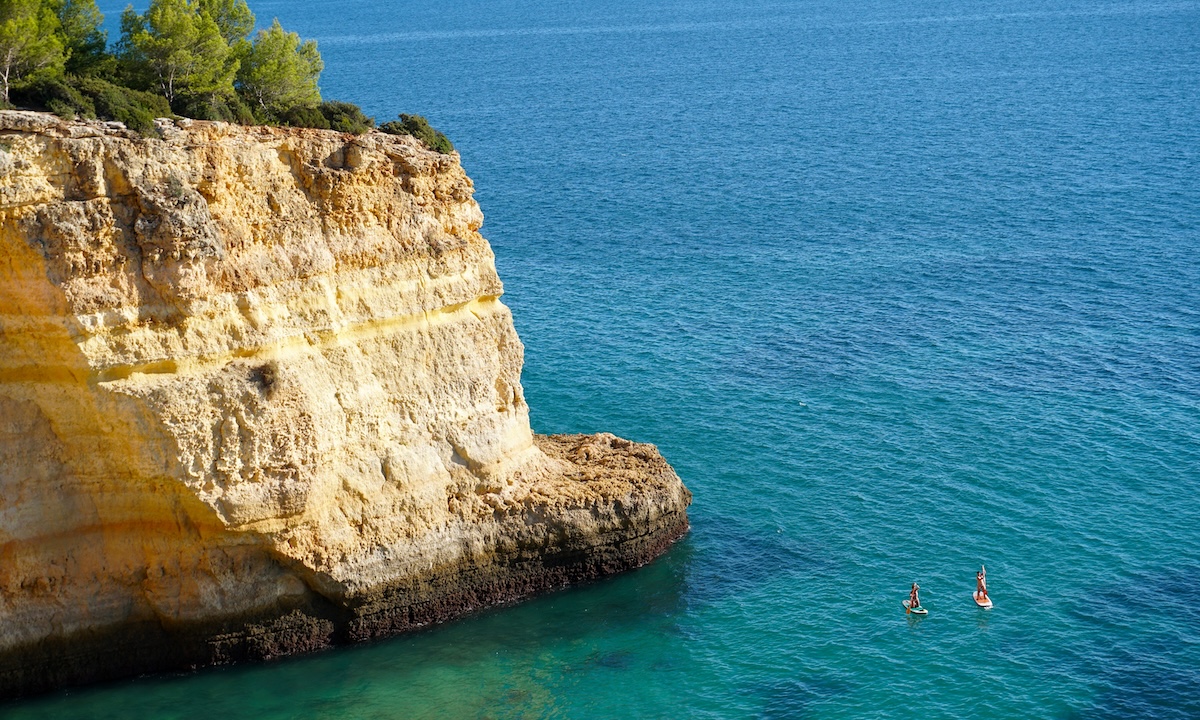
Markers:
<point>258,395</point>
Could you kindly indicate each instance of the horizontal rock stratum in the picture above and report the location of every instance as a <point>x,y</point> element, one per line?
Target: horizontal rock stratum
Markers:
<point>259,396</point>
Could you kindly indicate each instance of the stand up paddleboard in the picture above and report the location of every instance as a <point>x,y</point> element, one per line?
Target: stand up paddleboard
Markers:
<point>986,604</point>
<point>916,611</point>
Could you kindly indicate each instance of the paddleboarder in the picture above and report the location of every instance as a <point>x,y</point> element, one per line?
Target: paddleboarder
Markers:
<point>981,594</point>
<point>914,600</point>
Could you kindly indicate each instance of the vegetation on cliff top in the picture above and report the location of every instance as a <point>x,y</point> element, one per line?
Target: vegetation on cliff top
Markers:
<point>194,58</point>
<point>419,128</point>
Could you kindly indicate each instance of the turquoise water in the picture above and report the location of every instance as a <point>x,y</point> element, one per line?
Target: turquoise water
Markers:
<point>899,287</point>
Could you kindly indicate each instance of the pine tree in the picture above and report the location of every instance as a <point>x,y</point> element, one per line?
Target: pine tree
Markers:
<point>84,41</point>
<point>280,73</point>
<point>29,43</point>
<point>233,18</point>
<point>177,50</point>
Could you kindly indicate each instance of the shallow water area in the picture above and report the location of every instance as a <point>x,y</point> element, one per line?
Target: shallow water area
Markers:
<point>898,287</point>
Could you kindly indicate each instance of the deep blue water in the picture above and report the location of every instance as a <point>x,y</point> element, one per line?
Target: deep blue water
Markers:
<point>899,287</point>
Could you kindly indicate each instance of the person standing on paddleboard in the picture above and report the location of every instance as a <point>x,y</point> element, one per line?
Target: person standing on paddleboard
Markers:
<point>981,584</point>
<point>914,600</point>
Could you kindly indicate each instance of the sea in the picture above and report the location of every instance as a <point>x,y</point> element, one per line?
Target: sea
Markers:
<point>900,287</point>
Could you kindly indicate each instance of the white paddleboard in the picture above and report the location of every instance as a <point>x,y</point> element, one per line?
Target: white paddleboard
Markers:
<point>986,604</point>
<point>918,611</point>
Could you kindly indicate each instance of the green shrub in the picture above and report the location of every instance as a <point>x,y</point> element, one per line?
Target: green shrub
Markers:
<point>346,117</point>
<point>61,109</point>
<point>309,117</point>
<point>226,108</point>
<point>419,128</point>
<point>306,117</point>
<point>135,108</point>
<point>340,116</point>
<point>56,95</point>
<point>90,97</point>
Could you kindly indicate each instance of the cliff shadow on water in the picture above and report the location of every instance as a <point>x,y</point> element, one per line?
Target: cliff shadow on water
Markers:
<point>501,654</point>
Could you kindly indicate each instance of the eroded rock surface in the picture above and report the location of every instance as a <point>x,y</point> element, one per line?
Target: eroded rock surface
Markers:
<point>258,395</point>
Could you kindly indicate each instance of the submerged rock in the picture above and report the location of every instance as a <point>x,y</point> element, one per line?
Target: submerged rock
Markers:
<point>259,396</point>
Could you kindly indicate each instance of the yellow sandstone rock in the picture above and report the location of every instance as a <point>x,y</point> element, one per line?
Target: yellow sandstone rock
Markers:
<point>258,395</point>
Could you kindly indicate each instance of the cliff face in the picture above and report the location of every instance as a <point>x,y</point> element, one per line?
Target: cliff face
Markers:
<point>258,395</point>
